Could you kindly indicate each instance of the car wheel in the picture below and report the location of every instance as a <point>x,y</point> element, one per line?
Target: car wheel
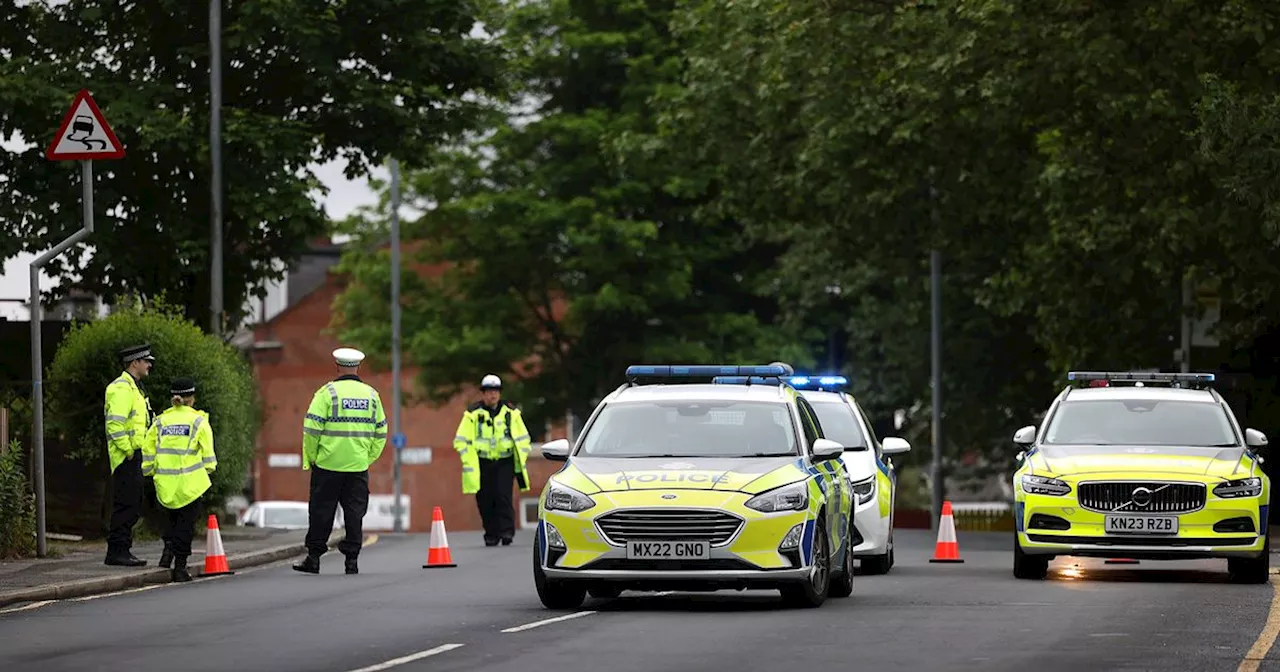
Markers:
<point>876,564</point>
<point>813,591</point>
<point>1252,570</point>
<point>554,594</point>
<point>842,585</point>
<point>1028,566</point>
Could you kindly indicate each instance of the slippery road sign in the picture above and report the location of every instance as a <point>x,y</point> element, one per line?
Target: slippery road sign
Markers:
<point>84,134</point>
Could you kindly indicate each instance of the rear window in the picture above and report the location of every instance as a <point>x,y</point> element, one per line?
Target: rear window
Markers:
<point>839,424</point>
<point>691,429</point>
<point>1141,422</point>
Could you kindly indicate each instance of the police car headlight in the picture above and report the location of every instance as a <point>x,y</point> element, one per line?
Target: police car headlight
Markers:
<point>794,497</point>
<point>865,489</point>
<point>1043,485</point>
<point>1244,487</point>
<point>562,498</point>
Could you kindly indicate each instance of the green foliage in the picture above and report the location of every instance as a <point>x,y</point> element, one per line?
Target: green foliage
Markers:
<point>563,241</point>
<point>304,82</point>
<point>88,361</point>
<point>17,505</point>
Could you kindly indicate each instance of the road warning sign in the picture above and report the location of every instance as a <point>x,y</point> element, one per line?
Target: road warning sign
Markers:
<point>84,134</point>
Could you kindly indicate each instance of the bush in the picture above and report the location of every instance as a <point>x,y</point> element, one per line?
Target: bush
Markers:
<point>87,361</point>
<point>17,506</point>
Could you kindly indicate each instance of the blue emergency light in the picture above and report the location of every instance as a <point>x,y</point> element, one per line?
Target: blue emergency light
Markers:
<point>700,371</point>
<point>818,382</point>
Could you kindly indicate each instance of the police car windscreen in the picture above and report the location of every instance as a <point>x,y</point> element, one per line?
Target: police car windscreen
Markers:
<point>1141,422</point>
<point>838,423</point>
<point>691,429</point>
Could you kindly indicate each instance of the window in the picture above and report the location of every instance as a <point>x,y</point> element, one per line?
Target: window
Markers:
<point>703,428</point>
<point>809,422</point>
<point>839,424</point>
<point>1141,422</point>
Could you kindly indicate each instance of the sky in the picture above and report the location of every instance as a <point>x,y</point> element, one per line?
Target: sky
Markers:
<point>344,196</point>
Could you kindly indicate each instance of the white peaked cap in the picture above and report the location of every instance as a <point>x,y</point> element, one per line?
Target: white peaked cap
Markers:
<point>348,357</point>
<point>491,381</point>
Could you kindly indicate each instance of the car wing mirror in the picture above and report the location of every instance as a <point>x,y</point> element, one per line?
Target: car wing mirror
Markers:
<point>1025,436</point>
<point>1255,439</point>
<point>826,449</point>
<point>557,450</point>
<point>892,445</point>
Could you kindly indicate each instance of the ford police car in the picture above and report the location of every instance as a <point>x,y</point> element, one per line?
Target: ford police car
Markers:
<point>1148,466</point>
<point>867,460</point>
<point>677,483</point>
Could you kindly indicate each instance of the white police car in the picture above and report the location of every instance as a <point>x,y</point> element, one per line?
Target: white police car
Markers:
<point>868,463</point>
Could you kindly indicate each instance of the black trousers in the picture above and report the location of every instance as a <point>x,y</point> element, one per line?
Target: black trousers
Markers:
<point>494,498</point>
<point>126,487</point>
<point>329,490</point>
<point>182,529</point>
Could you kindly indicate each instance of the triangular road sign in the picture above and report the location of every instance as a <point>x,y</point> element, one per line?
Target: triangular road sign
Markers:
<point>85,134</point>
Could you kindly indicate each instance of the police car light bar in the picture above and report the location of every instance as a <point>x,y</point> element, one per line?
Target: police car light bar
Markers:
<point>701,371</point>
<point>1142,377</point>
<point>818,382</point>
<point>747,380</point>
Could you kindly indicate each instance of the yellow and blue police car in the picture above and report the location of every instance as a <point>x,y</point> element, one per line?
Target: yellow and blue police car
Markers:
<point>1149,466</point>
<point>871,470</point>
<point>679,483</point>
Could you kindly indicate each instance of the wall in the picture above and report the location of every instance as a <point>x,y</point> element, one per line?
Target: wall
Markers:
<point>294,358</point>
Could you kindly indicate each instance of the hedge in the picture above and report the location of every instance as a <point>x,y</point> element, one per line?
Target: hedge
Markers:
<point>17,505</point>
<point>88,360</point>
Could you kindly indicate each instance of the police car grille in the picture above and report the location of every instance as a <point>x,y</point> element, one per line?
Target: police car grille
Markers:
<point>1117,497</point>
<point>715,527</point>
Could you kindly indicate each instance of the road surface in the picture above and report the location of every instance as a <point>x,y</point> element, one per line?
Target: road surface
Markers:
<point>485,616</point>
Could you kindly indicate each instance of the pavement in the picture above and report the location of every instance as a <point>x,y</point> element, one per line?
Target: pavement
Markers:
<point>75,569</point>
<point>485,615</point>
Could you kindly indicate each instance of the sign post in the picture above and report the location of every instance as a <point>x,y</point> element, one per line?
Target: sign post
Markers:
<point>83,136</point>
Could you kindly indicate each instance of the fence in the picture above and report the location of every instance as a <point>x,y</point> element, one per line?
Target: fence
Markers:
<point>983,516</point>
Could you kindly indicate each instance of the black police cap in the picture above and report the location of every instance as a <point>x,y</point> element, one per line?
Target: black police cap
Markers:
<point>131,353</point>
<point>183,387</point>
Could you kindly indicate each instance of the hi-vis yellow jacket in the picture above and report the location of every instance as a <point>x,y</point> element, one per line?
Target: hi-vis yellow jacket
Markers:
<point>491,436</point>
<point>345,428</point>
<point>178,451</point>
<point>128,411</point>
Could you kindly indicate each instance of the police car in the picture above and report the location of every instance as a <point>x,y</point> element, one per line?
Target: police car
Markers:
<point>871,470</point>
<point>678,483</point>
<point>1150,466</point>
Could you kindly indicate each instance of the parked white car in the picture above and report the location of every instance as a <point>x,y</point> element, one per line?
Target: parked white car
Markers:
<point>280,515</point>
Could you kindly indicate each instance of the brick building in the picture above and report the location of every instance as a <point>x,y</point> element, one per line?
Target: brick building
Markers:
<point>292,357</point>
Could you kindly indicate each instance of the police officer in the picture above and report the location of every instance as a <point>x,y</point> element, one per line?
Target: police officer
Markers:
<point>493,444</point>
<point>128,413</point>
<point>344,431</point>
<point>178,453</point>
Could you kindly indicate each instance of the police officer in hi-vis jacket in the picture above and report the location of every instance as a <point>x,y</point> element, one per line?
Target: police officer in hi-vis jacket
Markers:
<point>493,444</point>
<point>128,414</point>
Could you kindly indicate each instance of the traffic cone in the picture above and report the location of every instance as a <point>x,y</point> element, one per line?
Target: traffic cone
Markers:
<point>438,554</point>
<point>215,559</point>
<point>947,548</point>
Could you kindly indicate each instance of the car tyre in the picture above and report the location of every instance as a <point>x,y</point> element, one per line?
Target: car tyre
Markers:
<point>554,594</point>
<point>1252,570</point>
<point>1026,566</point>
<point>842,585</point>
<point>877,564</point>
<point>813,592</point>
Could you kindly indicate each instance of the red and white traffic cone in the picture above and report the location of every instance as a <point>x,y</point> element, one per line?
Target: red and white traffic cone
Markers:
<point>438,554</point>
<point>947,548</point>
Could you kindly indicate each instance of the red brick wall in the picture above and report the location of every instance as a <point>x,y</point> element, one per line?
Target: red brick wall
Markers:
<point>290,374</point>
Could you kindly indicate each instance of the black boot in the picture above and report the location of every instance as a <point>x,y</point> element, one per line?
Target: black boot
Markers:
<point>122,559</point>
<point>166,557</point>
<point>310,565</point>
<point>506,541</point>
<point>179,573</point>
<point>351,566</point>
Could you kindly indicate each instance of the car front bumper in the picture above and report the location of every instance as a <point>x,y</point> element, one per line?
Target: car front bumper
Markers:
<point>871,528</point>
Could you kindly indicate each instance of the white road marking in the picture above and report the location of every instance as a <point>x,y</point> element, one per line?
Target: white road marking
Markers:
<point>33,605</point>
<point>409,658</point>
<point>549,621</point>
<point>86,598</point>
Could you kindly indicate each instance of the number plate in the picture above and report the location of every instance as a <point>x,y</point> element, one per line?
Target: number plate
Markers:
<point>1142,525</point>
<point>668,550</point>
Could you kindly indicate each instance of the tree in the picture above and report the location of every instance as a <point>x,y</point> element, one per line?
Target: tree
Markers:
<point>303,82</point>
<point>564,243</point>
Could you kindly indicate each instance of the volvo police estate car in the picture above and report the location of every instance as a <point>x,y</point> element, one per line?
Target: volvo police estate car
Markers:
<point>871,471</point>
<point>1145,466</point>
<point>676,483</point>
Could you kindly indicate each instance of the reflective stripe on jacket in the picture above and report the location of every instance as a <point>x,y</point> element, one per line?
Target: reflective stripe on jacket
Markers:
<point>483,435</point>
<point>178,451</point>
<point>127,412</point>
<point>345,428</point>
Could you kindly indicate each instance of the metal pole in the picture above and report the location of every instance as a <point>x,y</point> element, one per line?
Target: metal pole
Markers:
<point>215,160</point>
<point>1187,305</point>
<point>37,370</point>
<point>935,272</point>
<point>398,525</point>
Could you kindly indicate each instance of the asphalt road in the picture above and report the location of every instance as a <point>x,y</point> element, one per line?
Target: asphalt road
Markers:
<point>485,615</point>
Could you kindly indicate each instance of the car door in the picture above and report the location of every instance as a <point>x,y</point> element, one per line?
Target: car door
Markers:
<point>834,478</point>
